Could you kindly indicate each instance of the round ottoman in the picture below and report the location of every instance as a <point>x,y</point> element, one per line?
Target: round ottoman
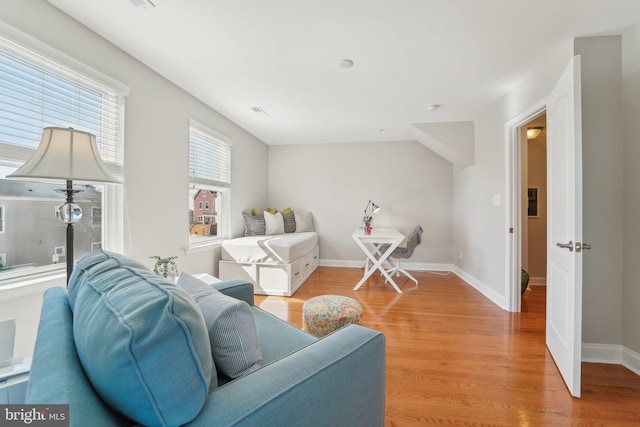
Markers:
<point>324,314</point>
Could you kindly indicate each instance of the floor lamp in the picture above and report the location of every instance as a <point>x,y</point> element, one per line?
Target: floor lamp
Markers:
<point>66,154</point>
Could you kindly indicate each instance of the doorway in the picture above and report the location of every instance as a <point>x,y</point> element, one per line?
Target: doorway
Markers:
<point>521,202</point>
<point>534,200</point>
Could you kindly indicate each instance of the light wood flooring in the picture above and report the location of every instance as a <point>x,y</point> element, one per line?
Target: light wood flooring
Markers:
<point>456,359</point>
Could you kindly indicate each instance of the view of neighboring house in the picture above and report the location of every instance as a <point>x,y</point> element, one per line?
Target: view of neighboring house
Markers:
<point>32,235</point>
<point>203,219</point>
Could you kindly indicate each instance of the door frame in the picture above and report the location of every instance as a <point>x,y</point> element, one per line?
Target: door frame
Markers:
<point>513,202</point>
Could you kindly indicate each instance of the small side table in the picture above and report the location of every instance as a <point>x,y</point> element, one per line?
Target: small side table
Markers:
<point>14,375</point>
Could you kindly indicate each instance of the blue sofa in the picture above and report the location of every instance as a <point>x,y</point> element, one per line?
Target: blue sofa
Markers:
<point>338,380</point>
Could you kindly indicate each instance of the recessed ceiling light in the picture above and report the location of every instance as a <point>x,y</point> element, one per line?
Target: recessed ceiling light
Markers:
<point>345,63</point>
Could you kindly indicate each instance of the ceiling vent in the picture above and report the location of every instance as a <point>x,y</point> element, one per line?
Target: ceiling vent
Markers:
<point>144,4</point>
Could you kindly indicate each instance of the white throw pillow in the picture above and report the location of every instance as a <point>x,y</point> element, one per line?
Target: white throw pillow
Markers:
<point>304,221</point>
<point>274,223</point>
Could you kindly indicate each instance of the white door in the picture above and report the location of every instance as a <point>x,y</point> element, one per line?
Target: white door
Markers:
<point>564,263</point>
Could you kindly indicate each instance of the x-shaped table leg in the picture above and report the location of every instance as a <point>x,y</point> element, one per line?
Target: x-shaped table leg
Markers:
<point>377,263</point>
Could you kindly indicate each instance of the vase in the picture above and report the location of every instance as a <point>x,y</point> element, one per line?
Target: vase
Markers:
<point>367,229</point>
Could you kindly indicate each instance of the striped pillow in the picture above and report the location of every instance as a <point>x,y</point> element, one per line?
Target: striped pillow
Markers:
<point>232,329</point>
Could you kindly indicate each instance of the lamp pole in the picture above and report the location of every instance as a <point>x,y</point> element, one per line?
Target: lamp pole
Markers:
<point>69,213</point>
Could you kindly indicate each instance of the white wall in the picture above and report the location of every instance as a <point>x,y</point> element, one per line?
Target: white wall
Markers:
<point>410,183</point>
<point>480,226</point>
<point>157,117</point>
<point>631,187</point>
<point>602,205</point>
<point>611,182</point>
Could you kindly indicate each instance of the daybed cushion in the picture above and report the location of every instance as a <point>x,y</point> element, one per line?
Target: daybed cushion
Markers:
<point>232,328</point>
<point>282,248</point>
<point>141,340</point>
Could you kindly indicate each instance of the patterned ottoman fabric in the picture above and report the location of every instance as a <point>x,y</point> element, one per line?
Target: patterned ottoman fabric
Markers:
<point>324,314</point>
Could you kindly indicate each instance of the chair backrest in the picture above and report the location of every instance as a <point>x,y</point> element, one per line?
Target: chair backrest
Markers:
<point>415,238</point>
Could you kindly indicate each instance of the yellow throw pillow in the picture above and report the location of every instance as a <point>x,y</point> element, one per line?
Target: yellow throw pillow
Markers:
<point>272,211</point>
<point>255,212</point>
<point>286,211</point>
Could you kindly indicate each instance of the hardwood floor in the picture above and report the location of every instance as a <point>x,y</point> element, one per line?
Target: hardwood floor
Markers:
<point>456,359</point>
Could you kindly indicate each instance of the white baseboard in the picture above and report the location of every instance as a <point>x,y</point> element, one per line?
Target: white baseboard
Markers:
<point>485,290</point>
<point>631,360</point>
<point>411,266</point>
<point>612,354</point>
<point>538,281</point>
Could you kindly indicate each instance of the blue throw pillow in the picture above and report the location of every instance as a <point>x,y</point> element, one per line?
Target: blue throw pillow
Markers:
<point>142,340</point>
<point>232,329</point>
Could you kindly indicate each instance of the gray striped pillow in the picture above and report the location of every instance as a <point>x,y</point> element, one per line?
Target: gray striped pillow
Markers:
<point>289,222</point>
<point>232,329</point>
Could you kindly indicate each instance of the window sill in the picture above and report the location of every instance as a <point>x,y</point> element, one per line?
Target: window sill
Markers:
<point>30,283</point>
<point>195,248</point>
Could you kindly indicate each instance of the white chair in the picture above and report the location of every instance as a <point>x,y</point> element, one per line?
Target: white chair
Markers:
<point>414,239</point>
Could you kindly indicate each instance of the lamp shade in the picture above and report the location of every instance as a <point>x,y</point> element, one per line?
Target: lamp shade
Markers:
<point>65,154</point>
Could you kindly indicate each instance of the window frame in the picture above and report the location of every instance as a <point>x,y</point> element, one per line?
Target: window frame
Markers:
<point>112,195</point>
<point>222,188</point>
<point>3,214</point>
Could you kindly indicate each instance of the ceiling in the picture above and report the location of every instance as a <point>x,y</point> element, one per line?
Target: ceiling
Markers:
<point>283,56</point>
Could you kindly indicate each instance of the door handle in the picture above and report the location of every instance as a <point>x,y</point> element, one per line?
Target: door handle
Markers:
<point>581,246</point>
<point>566,245</point>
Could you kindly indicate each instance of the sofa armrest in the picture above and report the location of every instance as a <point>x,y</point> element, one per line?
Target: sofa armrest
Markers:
<point>337,380</point>
<point>56,374</point>
<point>237,288</point>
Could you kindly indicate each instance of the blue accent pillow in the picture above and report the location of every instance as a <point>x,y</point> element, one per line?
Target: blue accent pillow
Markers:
<point>232,329</point>
<point>142,340</point>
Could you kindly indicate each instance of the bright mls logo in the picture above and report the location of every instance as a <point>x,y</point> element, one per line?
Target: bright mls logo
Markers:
<point>34,415</point>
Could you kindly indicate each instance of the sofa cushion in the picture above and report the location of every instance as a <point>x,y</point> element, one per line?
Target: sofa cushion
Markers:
<point>141,340</point>
<point>232,328</point>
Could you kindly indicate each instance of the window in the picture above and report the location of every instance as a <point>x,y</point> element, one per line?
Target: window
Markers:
<point>1,219</point>
<point>36,92</point>
<point>209,179</point>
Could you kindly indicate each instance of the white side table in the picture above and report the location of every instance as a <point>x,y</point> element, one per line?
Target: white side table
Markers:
<point>14,375</point>
<point>370,245</point>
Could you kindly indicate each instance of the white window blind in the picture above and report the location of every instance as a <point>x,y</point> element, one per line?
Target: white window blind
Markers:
<point>209,157</point>
<point>36,92</point>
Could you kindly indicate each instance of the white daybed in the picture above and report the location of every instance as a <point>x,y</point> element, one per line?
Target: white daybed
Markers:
<point>276,264</point>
